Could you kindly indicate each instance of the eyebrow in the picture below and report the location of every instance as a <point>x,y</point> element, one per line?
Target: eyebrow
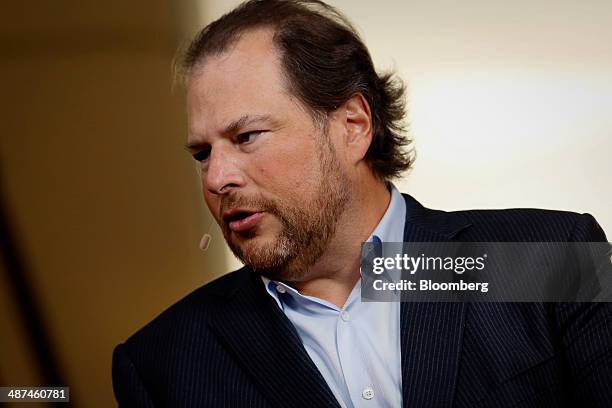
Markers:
<point>231,127</point>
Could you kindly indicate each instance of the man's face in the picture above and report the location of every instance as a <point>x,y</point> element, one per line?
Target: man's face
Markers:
<point>270,176</point>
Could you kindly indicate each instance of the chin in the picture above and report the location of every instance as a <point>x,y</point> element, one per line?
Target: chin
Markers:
<point>253,247</point>
<point>265,257</point>
<point>252,241</point>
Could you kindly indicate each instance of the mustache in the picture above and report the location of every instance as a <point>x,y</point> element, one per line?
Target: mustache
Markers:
<point>253,203</point>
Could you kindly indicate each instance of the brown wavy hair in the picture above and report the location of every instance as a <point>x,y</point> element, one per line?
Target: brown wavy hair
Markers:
<point>325,63</point>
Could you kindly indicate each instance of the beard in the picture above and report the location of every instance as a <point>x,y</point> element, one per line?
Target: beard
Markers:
<point>306,227</point>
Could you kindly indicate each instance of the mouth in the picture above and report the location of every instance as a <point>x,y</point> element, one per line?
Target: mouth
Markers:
<point>242,220</point>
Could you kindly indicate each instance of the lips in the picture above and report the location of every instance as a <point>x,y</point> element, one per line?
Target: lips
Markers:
<point>242,220</point>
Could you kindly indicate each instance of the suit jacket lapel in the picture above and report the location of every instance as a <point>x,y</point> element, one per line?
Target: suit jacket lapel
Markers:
<point>265,343</point>
<point>431,333</point>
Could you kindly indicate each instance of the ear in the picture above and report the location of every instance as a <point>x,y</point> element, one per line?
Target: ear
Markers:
<point>358,125</point>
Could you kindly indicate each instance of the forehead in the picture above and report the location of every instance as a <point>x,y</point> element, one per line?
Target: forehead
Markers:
<point>245,80</point>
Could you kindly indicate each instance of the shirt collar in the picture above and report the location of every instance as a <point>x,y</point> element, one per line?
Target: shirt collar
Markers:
<point>391,226</point>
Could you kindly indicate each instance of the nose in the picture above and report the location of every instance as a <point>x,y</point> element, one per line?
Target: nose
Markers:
<point>222,173</point>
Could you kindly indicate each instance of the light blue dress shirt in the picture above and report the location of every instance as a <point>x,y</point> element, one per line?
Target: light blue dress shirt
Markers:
<point>356,348</point>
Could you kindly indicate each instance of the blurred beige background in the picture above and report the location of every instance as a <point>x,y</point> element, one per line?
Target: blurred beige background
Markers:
<point>103,199</point>
<point>510,106</point>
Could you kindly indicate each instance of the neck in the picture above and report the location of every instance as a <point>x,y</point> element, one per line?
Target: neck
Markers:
<point>334,275</point>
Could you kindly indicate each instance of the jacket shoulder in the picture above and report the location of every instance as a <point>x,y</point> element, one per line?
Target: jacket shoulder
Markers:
<point>155,363</point>
<point>503,225</point>
<point>531,224</point>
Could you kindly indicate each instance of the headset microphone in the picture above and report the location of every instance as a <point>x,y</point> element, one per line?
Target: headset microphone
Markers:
<point>206,238</point>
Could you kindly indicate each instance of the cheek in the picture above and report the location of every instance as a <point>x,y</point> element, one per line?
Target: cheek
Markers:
<point>291,169</point>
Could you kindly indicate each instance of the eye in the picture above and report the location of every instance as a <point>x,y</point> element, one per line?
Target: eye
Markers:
<point>247,137</point>
<point>202,155</point>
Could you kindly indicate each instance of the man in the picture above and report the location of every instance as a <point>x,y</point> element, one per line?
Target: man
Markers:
<point>298,138</point>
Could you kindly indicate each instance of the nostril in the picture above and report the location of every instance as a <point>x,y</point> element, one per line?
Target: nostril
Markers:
<point>227,188</point>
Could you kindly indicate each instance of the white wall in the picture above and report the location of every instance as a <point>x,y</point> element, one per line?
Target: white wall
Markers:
<point>510,102</point>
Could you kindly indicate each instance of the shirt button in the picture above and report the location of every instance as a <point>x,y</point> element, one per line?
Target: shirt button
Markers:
<point>280,289</point>
<point>367,393</point>
<point>344,315</point>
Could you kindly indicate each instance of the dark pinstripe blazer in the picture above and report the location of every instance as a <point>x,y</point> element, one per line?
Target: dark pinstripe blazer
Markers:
<point>227,344</point>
